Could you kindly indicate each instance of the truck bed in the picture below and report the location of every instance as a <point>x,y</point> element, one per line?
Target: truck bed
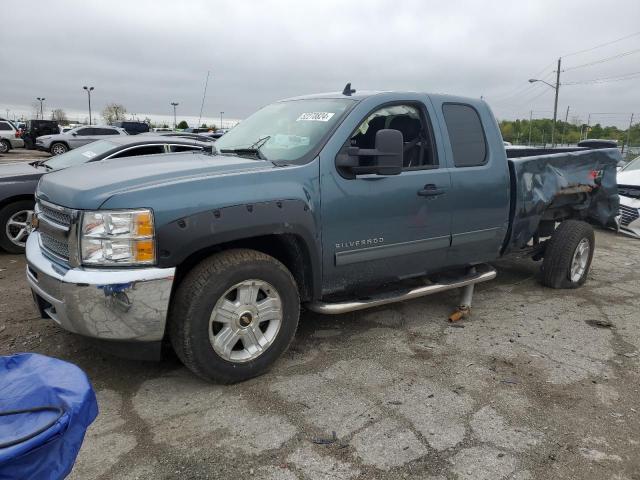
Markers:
<point>550,186</point>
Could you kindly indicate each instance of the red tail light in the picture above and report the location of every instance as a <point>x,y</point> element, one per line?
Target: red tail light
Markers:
<point>18,133</point>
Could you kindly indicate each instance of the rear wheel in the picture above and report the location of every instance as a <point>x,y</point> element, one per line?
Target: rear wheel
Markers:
<point>58,148</point>
<point>568,255</point>
<point>13,224</point>
<point>5,146</point>
<point>233,315</point>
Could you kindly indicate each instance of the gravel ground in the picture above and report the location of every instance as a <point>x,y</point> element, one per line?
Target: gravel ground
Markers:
<point>538,384</point>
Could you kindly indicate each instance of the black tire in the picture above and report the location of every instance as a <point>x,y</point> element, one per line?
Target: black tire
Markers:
<point>196,297</point>
<point>559,254</point>
<point>5,214</point>
<point>5,146</point>
<point>58,148</point>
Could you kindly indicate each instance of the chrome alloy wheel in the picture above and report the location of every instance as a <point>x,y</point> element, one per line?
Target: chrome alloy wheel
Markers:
<point>580,260</point>
<point>58,149</point>
<point>16,227</point>
<point>245,321</point>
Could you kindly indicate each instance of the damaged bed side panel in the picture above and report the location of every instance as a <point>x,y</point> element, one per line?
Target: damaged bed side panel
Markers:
<point>539,183</point>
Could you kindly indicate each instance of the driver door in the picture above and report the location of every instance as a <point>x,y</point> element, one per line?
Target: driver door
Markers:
<point>82,137</point>
<point>379,228</point>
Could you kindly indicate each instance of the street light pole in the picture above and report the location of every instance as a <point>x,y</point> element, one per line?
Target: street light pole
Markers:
<point>89,89</point>
<point>221,113</point>
<point>175,104</point>
<point>530,119</point>
<point>556,87</point>
<point>41,99</point>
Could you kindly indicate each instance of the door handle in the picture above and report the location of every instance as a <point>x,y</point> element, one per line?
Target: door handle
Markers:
<point>431,190</point>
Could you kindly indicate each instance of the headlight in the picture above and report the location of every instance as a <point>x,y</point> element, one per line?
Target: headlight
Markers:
<point>118,237</point>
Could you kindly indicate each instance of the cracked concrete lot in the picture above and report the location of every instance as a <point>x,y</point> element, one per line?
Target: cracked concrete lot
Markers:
<point>538,384</point>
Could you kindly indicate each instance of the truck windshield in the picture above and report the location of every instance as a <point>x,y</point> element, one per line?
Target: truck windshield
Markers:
<point>80,155</point>
<point>284,131</point>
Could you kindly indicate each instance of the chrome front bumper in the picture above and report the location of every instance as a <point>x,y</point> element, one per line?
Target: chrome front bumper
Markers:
<point>110,304</point>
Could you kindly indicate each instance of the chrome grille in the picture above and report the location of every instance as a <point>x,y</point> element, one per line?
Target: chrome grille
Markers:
<point>58,248</point>
<point>58,216</point>
<point>628,214</point>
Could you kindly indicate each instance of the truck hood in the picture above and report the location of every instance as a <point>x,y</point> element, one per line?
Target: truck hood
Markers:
<point>629,177</point>
<point>19,171</point>
<point>88,186</point>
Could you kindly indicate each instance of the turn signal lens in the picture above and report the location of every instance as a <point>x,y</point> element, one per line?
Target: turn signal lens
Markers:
<point>144,251</point>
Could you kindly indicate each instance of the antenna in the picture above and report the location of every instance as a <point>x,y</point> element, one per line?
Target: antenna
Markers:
<point>203,97</point>
<point>348,90</point>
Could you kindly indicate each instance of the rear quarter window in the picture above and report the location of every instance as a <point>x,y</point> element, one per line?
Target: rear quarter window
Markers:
<point>5,126</point>
<point>466,135</point>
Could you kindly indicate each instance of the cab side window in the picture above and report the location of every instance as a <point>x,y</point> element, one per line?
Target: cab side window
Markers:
<point>412,123</point>
<point>465,134</point>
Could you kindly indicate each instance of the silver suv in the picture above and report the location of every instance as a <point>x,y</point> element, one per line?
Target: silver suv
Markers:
<point>63,142</point>
<point>9,137</point>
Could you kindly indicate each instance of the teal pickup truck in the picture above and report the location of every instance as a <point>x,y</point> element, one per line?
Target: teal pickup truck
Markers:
<point>335,202</point>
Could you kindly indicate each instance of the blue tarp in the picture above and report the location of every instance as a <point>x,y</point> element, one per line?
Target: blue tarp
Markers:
<point>56,404</point>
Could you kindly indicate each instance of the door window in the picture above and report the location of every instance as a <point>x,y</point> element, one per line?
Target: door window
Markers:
<point>142,150</point>
<point>411,122</point>
<point>86,131</point>
<point>105,131</point>
<point>465,134</point>
<point>184,148</point>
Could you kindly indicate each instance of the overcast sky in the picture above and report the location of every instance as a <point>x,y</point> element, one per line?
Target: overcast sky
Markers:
<point>146,54</point>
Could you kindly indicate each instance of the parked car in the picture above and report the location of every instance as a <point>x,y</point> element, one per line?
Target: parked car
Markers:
<point>63,142</point>
<point>339,201</point>
<point>629,191</point>
<point>131,127</point>
<point>18,180</point>
<point>598,143</point>
<point>38,128</point>
<point>162,129</point>
<point>10,136</point>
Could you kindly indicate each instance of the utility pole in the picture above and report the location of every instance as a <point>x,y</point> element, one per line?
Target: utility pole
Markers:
<point>175,104</point>
<point>89,90</point>
<point>566,119</point>
<point>586,132</point>
<point>41,99</point>
<point>628,133</point>
<point>555,104</point>
<point>221,113</point>
<point>530,118</point>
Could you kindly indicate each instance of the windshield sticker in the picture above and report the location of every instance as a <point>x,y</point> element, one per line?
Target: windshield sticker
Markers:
<point>89,154</point>
<point>315,116</point>
<point>288,141</point>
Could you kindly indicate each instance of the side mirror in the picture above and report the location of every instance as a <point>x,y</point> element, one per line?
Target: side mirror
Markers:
<point>74,134</point>
<point>390,147</point>
<point>385,159</point>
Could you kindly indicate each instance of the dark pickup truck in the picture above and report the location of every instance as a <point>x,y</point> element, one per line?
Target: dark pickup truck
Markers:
<point>337,202</point>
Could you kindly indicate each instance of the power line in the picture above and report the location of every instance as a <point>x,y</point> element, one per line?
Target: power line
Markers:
<point>617,78</point>
<point>602,44</point>
<point>603,60</point>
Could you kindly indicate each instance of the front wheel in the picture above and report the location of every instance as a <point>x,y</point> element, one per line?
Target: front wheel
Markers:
<point>233,315</point>
<point>568,255</point>
<point>58,148</point>
<point>13,221</point>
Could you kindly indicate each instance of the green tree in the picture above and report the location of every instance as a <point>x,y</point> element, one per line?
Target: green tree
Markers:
<point>182,125</point>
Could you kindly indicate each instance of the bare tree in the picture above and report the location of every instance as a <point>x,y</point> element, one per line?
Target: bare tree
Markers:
<point>60,116</point>
<point>114,112</point>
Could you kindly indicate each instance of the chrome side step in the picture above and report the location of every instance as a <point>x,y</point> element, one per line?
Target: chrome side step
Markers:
<point>483,273</point>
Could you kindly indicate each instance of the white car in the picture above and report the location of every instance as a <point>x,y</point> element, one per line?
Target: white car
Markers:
<point>629,191</point>
<point>9,136</point>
